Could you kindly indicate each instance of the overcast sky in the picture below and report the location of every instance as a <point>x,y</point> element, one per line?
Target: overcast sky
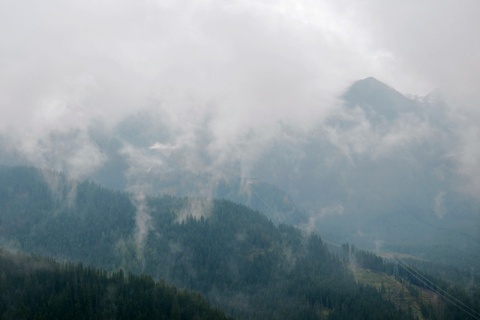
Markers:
<point>67,64</point>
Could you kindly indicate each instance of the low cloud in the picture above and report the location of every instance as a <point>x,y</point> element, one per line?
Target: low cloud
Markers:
<point>314,219</point>
<point>143,225</point>
<point>195,208</point>
<point>467,157</point>
<point>230,72</point>
<point>439,205</point>
<point>355,134</point>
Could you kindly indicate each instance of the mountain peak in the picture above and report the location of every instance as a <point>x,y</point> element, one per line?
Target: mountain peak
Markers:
<point>371,80</point>
<point>379,98</point>
<point>372,85</point>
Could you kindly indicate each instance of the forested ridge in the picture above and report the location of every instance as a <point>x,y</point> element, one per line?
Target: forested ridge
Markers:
<point>39,288</point>
<point>417,285</point>
<point>229,253</point>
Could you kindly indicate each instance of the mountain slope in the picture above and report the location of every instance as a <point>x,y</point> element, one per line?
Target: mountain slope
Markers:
<point>382,170</point>
<point>378,99</point>
<point>39,288</point>
<point>236,257</point>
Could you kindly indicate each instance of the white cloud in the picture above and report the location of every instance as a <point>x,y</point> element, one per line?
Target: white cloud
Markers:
<point>467,155</point>
<point>235,67</point>
<point>439,205</point>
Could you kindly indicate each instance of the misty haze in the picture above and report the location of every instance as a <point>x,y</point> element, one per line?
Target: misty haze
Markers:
<point>239,159</point>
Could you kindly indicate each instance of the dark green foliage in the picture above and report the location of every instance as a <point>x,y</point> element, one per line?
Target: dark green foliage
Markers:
<point>458,302</point>
<point>461,302</point>
<point>361,258</point>
<point>64,218</point>
<point>233,255</point>
<point>36,288</point>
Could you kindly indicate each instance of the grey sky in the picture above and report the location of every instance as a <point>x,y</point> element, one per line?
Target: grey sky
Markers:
<point>246,64</point>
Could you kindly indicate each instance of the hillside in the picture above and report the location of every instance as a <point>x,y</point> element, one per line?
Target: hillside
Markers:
<point>234,256</point>
<point>415,285</point>
<point>39,288</point>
